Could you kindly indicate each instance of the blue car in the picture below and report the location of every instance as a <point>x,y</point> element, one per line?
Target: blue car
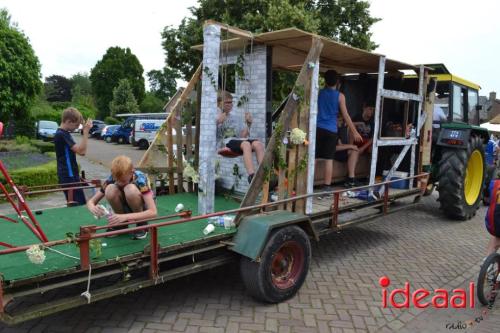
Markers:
<point>108,131</point>
<point>121,134</point>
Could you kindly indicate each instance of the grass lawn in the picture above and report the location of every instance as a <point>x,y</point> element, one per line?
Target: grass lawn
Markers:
<point>17,159</point>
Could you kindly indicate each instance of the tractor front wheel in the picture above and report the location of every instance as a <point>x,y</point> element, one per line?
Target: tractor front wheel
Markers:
<point>283,266</point>
<point>461,178</point>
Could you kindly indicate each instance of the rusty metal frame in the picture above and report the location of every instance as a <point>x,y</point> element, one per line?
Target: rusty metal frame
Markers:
<point>88,233</point>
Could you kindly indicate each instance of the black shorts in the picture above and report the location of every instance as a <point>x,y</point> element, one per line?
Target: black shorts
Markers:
<point>235,145</point>
<point>326,142</point>
<point>341,155</point>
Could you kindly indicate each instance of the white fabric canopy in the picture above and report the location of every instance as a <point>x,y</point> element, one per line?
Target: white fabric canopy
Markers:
<point>491,127</point>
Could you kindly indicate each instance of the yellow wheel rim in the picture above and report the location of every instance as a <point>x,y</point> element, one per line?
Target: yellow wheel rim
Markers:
<point>473,177</point>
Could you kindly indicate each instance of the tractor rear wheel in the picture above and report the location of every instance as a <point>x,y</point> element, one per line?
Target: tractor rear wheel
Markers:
<point>461,178</point>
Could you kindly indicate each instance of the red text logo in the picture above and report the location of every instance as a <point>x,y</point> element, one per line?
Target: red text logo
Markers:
<point>422,298</point>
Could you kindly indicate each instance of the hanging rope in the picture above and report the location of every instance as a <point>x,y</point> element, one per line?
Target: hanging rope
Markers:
<point>248,83</point>
<point>86,294</point>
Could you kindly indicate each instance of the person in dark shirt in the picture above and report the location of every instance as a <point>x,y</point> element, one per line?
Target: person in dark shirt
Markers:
<point>365,125</point>
<point>331,104</point>
<point>66,150</point>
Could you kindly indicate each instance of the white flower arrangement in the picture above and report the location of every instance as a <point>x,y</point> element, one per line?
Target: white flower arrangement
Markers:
<point>297,136</point>
<point>36,254</point>
<point>190,173</point>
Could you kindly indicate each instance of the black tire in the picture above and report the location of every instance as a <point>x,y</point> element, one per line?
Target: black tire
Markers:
<point>120,140</point>
<point>108,139</point>
<point>487,286</point>
<point>452,171</point>
<point>289,249</point>
<point>143,144</point>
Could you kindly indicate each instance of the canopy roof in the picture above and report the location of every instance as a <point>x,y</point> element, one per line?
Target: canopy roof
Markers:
<point>495,128</point>
<point>291,46</point>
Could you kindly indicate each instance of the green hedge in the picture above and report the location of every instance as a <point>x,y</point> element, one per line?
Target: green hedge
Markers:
<point>37,175</point>
<point>43,146</point>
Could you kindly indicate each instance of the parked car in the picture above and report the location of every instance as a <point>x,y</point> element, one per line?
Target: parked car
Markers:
<point>122,134</point>
<point>98,131</point>
<point>46,129</point>
<point>96,124</point>
<point>107,131</point>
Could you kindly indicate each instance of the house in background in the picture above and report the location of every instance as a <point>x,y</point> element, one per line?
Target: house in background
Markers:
<point>490,106</point>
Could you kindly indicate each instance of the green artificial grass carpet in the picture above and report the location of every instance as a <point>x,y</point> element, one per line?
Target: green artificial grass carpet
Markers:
<point>57,222</point>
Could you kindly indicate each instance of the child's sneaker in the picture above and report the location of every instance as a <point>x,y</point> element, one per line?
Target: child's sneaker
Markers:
<point>115,229</point>
<point>141,234</point>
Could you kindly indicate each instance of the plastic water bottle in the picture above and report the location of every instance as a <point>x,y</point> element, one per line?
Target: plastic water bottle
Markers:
<point>217,221</point>
<point>108,211</point>
<point>228,221</point>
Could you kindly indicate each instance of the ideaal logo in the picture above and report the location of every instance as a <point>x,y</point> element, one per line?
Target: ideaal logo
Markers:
<point>423,298</point>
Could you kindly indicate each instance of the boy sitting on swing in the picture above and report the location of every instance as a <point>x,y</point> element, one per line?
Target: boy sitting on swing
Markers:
<point>233,133</point>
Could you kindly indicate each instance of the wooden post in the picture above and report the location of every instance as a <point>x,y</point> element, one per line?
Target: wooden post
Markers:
<point>292,165</point>
<point>189,140</point>
<point>170,156</point>
<point>283,122</point>
<point>301,186</point>
<point>178,137</point>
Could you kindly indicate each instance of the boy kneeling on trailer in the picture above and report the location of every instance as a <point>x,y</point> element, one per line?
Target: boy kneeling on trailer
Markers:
<point>129,194</point>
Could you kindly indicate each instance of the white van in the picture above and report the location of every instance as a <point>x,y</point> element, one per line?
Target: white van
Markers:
<point>144,131</point>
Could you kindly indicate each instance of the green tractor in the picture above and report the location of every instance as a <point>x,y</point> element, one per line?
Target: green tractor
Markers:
<point>458,166</point>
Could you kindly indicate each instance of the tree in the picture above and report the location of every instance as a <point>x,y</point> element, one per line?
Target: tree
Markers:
<point>115,65</point>
<point>123,99</point>
<point>345,20</point>
<point>151,103</point>
<point>20,78</point>
<point>81,89</point>
<point>162,83</point>
<point>57,88</point>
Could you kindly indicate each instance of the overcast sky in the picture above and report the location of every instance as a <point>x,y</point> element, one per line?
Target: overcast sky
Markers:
<point>71,36</point>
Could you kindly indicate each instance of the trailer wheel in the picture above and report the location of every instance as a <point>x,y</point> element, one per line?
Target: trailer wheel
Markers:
<point>461,179</point>
<point>283,266</point>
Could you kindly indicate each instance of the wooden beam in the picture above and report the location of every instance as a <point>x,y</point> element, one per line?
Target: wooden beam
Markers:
<point>230,29</point>
<point>301,185</point>
<point>145,159</point>
<point>283,122</point>
<point>189,140</point>
<point>180,166</point>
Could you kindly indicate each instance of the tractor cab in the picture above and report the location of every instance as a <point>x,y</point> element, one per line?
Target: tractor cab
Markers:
<point>457,97</point>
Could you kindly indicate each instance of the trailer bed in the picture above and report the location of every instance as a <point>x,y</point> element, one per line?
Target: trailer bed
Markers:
<point>57,222</point>
<point>325,203</point>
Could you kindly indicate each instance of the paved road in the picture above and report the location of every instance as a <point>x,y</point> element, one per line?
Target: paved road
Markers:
<point>103,153</point>
<point>341,293</point>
